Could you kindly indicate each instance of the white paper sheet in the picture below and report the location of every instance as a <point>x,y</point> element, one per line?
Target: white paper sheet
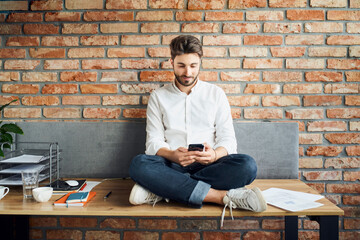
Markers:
<point>291,200</point>
<point>89,186</point>
<point>23,167</point>
<point>26,158</point>
<point>16,179</point>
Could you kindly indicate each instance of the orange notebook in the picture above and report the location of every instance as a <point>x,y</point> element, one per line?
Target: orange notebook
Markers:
<point>62,201</point>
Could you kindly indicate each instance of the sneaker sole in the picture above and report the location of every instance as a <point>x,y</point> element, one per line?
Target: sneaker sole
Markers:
<point>132,194</point>
<point>261,198</point>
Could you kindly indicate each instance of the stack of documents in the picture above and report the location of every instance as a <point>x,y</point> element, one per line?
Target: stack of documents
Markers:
<point>16,179</point>
<point>292,201</point>
<point>24,167</point>
<point>76,199</point>
<point>27,160</point>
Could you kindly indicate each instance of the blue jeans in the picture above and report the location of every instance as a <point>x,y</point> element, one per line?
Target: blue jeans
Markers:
<point>190,184</point>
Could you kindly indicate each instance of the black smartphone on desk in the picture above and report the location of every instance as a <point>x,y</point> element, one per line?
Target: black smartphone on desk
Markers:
<point>196,147</point>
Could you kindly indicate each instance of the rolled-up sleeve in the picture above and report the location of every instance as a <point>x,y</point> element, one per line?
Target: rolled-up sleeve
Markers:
<point>155,137</point>
<point>225,134</point>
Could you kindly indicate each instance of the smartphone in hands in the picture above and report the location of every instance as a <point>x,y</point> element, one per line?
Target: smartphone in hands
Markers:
<point>196,147</point>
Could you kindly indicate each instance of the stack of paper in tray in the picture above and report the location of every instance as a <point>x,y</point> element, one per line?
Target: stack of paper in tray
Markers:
<point>75,199</point>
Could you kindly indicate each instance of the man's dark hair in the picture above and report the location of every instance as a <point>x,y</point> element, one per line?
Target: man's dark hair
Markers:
<point>185,44</point>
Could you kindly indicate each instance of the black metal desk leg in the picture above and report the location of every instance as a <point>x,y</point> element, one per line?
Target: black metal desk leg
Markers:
<point>329,227</point>
<point>14,227</point>
<point>291,227</point>
<point>6,226</point>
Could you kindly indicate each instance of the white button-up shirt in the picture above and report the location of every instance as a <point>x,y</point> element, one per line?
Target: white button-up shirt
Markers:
<point>175,119</point>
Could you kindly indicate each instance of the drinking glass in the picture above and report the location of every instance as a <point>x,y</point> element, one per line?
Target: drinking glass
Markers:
<point>30,181</point>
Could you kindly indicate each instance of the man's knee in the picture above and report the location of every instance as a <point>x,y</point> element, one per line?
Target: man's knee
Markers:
<point>143,163</point>
<point>135,165</point>
<point>251,165</point>
<point>247,164</point>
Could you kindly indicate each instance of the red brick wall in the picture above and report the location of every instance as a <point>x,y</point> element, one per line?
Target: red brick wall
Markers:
<point>97,60</point>
<point>272,228</point>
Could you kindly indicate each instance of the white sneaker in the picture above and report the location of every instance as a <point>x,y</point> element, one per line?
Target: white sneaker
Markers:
<point>140,195</point>
<point>249,199</point>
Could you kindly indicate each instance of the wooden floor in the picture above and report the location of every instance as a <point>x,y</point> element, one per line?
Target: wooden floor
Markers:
<point>118,205</point>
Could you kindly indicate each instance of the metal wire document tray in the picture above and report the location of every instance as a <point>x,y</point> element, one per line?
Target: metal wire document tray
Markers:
<point>30,156</point>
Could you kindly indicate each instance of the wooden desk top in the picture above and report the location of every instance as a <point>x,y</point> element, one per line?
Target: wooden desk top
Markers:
<point>118,205</point>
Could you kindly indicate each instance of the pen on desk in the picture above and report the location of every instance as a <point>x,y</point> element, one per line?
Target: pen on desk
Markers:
<point>60,197</point>
<point>107,195</point>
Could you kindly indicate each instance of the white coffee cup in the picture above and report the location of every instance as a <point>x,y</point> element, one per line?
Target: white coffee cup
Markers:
<point>42,194</point>
<point>3,191</point>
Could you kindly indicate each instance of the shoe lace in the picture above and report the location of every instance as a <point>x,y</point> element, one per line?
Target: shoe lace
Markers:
<point>152,198</point>
<point>230,204</point>
<point>235,202</point>
<point>242,201</point>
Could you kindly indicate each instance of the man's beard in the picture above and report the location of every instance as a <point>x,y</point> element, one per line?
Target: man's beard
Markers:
<point>185,84</point>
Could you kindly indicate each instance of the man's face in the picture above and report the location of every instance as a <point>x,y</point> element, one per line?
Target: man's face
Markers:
<point>186,68</point>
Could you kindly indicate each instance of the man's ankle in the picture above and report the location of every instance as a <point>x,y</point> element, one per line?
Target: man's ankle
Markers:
<point>215,196</point>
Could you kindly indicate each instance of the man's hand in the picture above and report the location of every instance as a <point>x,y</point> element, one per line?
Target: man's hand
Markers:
<point>206,157</point>
<point>180,156</point>
<point>184,157</point>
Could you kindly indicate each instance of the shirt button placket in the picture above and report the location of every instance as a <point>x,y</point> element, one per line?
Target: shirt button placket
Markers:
<point>188,118</point>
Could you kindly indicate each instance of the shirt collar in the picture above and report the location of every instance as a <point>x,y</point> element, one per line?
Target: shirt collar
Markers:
<point>194,88</point>
<point>197,85</point>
